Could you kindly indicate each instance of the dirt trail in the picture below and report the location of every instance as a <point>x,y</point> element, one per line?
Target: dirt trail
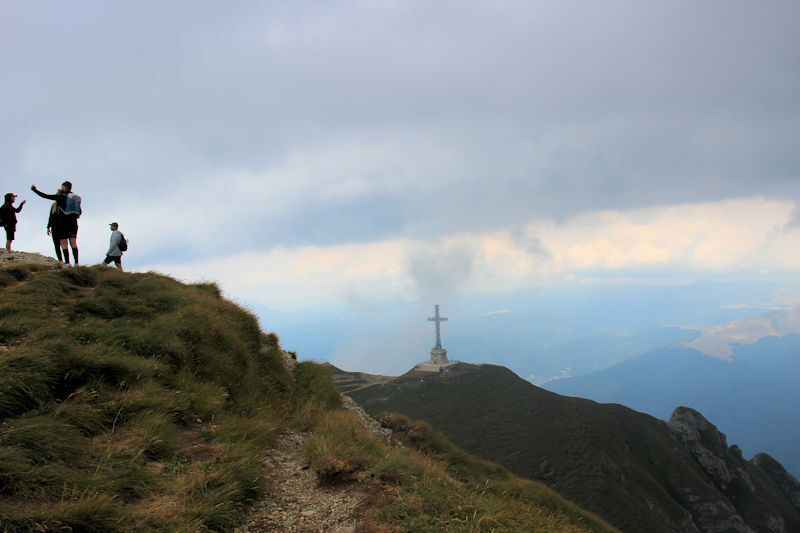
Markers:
<point>295,502</point>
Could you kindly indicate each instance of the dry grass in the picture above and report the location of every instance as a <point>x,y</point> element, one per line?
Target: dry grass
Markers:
<point>430,485</point>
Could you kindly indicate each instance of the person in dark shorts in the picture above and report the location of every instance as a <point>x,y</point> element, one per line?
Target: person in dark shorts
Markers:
<point>52,221</point>
<point>8,214</point>
<point>66,218</point>
<point>114,253</point>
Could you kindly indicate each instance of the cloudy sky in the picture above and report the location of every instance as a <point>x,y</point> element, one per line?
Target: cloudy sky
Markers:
<point>320,153</point>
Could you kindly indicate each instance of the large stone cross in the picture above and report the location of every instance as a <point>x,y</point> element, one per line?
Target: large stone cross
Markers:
<point>438,320</point>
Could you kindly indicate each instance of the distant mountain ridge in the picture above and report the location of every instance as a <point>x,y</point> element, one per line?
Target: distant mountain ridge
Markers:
<point>719,341</point>
<point>638,472</point>
<point>541,332</point>
<point>754,395</point>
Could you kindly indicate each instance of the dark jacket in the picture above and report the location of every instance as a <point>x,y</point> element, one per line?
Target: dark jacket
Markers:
<point>52,220</point>
<point>60,197</point>
<point>8,214</point>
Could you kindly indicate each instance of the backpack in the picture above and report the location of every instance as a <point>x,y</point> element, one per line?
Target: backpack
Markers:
<point>123,244</point>
<point>73,205</point>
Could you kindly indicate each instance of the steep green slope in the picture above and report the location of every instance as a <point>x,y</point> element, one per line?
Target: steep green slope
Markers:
<point>621,464</point>
<point>130,401</point>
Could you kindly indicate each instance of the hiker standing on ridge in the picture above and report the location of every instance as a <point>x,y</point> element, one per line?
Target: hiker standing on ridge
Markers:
<point>8,214</point>
<point>52,221</point>
<point>69,209</point>
<point>116,246</point>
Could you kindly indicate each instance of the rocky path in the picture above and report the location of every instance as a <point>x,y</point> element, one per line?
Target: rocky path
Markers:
<point>295,502</point>
<point>11,259</point>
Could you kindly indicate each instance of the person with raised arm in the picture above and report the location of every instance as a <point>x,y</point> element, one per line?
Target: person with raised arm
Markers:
<point>68,211</point>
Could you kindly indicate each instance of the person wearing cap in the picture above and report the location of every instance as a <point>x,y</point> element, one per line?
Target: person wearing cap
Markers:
<point>114,253</point>
<point>8,214</point>
<point>67,222</point>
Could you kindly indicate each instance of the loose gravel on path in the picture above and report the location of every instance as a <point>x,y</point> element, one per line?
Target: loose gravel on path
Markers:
<point>295,502</point>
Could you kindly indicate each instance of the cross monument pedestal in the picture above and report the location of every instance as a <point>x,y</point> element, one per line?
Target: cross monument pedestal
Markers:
<point>438,361</point>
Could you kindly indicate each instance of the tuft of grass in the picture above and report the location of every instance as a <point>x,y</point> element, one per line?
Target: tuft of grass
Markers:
<point>81,411</point>
<point>21,477</point>
<point>25,384</point>
<point>124,476</point>
<point>209,287</point>
<point>203,399</point>
<point>155,436</point>
<point>79,276</point>
<point>44,439</point>
<point>315,393</point>
<point>18,273</point>
<point>79,512</point>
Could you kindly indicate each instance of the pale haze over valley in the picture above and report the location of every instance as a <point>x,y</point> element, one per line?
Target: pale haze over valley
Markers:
<point>574,183</point>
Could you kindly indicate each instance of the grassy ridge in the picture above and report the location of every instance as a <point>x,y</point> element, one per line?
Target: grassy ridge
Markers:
<point>430,485</point>
<point>620,464</point>
<point>131,402</point>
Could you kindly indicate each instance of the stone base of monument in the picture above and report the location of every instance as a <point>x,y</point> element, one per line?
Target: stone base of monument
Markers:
<point>427,366</point>
<point>438,361</point>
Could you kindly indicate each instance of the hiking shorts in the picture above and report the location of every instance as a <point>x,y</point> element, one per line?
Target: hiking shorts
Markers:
<point>10,232</point>
<point>67,227</point>
<point>117,259</point>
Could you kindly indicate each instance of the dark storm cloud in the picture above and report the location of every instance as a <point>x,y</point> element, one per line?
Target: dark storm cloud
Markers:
<point>308,122</point>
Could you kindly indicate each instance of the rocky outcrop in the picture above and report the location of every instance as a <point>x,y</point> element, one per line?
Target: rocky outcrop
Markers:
<point>753,493</point>
<point>12,259</point>
<point>709,447</point>
<point>370,424</point>
<point>788,484</point>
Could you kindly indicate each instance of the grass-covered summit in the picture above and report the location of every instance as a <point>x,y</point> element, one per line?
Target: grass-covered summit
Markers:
<point>134,402</point>
<point>130,400</point>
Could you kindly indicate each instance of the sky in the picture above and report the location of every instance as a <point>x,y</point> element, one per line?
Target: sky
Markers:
<point>308,154</point>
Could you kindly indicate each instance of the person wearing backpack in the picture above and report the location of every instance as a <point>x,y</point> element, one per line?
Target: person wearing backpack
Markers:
<point>69,209</point>
<point>52,221</point>
<point>116,247</point>
<point>8,215</point>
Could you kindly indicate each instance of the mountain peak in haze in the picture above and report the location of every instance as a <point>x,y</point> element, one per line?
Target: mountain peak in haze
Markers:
<point>718,341</point>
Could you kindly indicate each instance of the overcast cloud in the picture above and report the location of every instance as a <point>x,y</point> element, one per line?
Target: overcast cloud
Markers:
<point>212,130</point>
